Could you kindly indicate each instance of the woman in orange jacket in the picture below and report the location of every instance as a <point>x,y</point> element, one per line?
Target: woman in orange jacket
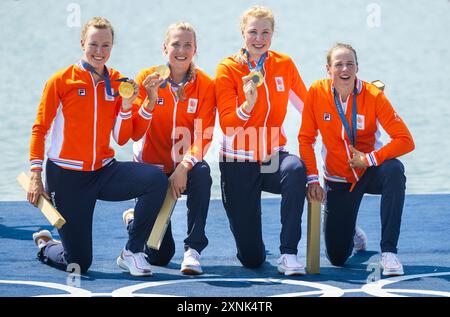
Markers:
<point>82,106</point>
<point>253,88</point>
<point>348,112</point>
<point>173,121</point>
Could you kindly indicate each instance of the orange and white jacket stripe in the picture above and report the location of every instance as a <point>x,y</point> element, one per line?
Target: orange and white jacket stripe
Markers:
<point>257,135</point>
<point>176,130</point>
<point>373,111</point>
<point>82,117</point>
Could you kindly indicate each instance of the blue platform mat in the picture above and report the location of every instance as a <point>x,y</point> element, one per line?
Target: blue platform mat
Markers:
<point>424,248</point>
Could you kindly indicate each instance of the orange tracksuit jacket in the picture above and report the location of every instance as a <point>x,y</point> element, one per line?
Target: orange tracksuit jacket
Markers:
<point>176,130</point>
<point>82,117</point>
<point>373,110</point>
<point>255,136</point>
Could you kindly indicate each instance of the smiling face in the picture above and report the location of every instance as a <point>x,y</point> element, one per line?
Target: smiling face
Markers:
<point>97,45</point>
<point>180,47</point>
<point>257,34</point>
<point>342,68</point>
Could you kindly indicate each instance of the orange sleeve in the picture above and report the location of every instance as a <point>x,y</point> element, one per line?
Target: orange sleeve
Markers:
<point>231,115</point>
<point>307,138</point>
<point>203,126</point>
<point>141,117</point>
<point>50,101</point>
<point>297,95</point>
<point>401,139</point>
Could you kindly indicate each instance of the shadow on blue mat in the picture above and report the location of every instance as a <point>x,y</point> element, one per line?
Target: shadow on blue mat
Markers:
<point>20,232</point>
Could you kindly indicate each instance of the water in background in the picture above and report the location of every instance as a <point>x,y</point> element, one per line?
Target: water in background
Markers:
<point>404,43</point>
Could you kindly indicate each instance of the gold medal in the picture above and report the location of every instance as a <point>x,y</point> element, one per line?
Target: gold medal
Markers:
<point>126,89</point>
<point>257,78</point>
<point>163,71</point>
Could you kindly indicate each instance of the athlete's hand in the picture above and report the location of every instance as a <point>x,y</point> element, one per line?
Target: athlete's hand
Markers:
<point>358,159</point>
<point>151,85</point>
<point>315,192</point>
<point>178,179</point>
<point>36,188</point>
<point>250,91</point>
<point>127,103</point>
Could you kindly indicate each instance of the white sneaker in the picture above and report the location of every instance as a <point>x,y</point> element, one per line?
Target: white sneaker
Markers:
<point>191,263</point>
<point>41,238</point>
<point>289,265</point>
<point>127,216</point>
<point>135,263</point>
<point>391,264</point>
<point>359,240</point>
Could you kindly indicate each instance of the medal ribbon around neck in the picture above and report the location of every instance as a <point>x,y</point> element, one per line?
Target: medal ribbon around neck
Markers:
<point>255,72</point>
<point>351,136</point>
<point>105,77</point>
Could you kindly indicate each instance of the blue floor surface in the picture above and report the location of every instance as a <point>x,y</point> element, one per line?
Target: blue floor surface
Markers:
<point>424,248</point>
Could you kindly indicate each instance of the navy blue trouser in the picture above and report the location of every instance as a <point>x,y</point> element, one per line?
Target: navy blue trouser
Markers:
<point>242,184</point>
<point>342,207</point>
<point>198,191</point>
<point>75,193</point>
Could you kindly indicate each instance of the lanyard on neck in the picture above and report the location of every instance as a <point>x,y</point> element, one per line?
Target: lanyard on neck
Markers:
<point>260,63</point>
<point>105,77</point>
<point>337,102</point>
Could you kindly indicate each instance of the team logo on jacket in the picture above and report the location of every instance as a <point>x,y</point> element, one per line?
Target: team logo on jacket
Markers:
<point>108,97</point>
<point>360,122</point>
<point>327,116</point>
<point>81,92</point>
<point>192,105</point>
<point>280,83</point>
<point>160,101</point>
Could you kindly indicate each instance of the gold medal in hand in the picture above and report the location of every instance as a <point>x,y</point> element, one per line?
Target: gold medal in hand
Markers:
<point>257,78</point>
<point>126,89</point>
<point>163,71</point>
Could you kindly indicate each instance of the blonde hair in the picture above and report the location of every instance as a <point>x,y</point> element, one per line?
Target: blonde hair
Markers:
<point>184,26</point>
<point>338,46</point>
<point>259,12</point>
<point>99,23</point>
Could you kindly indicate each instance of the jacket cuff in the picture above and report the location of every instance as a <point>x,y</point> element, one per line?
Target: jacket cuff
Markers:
<point>242,114</point>
<point>312,179</point>
<point>125,115</point>
<point>371,159</point>
<point>145,114</point>
<point>36,165</point>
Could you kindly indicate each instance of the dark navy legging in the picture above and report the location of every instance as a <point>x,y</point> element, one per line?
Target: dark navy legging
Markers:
<point>75,193</point>
<point>242,184</point>
<point>342,207</point>
<point>198,191</point>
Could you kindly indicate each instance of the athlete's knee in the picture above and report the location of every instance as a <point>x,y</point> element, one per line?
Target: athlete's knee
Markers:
<point>251,260</point>
<point>336,258</point>
<point>394,170</point>
<point>159,258</point>
<point>156,179</point>
<point>201,174</point>
<point>251,255</point>
<point>296,172</point>
<point>393,166</point>
<point>79,263</point>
